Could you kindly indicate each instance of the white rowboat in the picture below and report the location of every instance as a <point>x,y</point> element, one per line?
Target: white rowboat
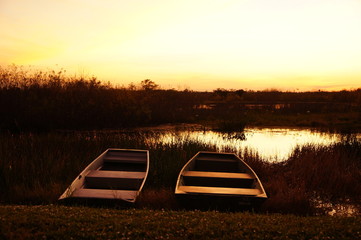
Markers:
<point>214,175</point>
<point>117,174</point>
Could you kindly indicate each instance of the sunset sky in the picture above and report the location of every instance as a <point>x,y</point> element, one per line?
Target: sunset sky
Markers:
<point>196,44</point>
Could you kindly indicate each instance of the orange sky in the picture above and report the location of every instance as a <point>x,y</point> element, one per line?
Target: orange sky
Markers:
<point>198,44</point>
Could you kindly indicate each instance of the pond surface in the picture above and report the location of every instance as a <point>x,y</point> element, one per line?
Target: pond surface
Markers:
<point>272,144</point>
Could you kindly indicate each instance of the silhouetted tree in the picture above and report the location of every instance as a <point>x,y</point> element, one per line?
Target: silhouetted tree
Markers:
<point>148,84</point>
<point>239,92</point>
<point>221,92</point>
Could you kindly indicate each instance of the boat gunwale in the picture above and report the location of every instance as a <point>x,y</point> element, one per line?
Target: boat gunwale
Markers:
<point>180,177</point>
<point>78,182</point>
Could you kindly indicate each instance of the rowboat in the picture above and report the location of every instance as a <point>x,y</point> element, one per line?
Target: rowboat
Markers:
<point>219,178</point>
<point>117,174</point>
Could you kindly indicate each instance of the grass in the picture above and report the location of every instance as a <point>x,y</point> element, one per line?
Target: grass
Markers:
<point>329,173</point>
<point>62,222</point>
<point>37,168</point>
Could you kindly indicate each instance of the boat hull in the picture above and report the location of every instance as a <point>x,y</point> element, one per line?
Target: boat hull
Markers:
<point>117,175</point>
<point>218,180</point>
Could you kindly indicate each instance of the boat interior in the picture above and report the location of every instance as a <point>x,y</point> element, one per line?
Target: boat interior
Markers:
<point>223,174</point>
<point>119,177</point>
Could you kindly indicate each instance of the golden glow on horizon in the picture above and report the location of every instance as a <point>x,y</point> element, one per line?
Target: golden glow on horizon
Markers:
<point>203,45</point>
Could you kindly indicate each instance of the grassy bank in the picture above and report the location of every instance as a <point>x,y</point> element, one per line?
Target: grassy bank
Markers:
<point>37,168</point>
<point>61,222</point>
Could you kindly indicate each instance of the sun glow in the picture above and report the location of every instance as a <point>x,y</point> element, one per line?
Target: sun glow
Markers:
<point>202,44</point>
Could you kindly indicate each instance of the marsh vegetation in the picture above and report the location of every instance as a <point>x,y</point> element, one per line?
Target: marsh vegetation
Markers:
<point>37,168</point>
<point>53,125</point>
<point>43,101</point>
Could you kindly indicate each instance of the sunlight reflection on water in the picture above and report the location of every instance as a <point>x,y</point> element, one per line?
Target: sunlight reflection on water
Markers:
<point>272,144</point>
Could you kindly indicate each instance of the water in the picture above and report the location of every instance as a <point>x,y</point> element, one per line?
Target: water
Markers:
<point>271,144</point>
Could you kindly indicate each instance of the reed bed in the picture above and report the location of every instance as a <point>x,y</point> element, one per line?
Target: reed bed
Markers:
<point>37,168</point>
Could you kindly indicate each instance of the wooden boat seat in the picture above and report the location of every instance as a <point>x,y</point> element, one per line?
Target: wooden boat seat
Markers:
<point>105,193</point>
<point>126,153</point>
<point>115,174</point>
<point>217,174</point>
<point>126,159</point>
<point>219,190</point>
<point>215,158</point>
<point>119,180</point>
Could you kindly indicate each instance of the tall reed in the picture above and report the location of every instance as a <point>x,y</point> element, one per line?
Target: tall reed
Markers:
<point>328,173</point>
<point>37,168</point>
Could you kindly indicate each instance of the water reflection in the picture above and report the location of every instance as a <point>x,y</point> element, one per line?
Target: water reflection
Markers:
<point>272,144</point>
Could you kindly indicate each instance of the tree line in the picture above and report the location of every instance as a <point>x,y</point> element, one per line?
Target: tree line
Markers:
<point>43,101</point>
